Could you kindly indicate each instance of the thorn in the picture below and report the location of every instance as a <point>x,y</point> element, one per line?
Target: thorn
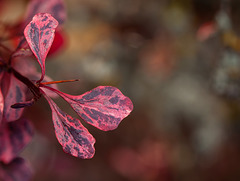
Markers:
<point>60,81</point>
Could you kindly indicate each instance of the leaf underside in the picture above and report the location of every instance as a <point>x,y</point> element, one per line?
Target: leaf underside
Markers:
<point>103,107</point>
<point>71,134</point>
<point>39,34</point>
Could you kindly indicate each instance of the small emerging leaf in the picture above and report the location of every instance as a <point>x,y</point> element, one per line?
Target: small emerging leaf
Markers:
<point>13,138</point>
<point>23,104</point>
<point>39,34</point>
<point>71,134</point>
<point>103,107</point>
<point>23,50</point>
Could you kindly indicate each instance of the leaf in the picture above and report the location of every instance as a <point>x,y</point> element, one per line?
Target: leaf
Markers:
<point>103,107</point>
<point>14,136</point>
<point>1,99</point>
<point>23,50</point>
<point>54,7</point>
<point>39,34</point>
<point>25,66</point>
<point>16,93</point>
<point>17,170</point>
<point>71,134</point>
<point>58,43</point>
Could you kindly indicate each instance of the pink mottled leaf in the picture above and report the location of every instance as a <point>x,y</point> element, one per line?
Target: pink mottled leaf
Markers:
<point>16,93</point>
<point>14,136</point>
<point>17,170</point>
<point>71,134</point>
<point>54,7</point>
<point>103,107</point>
<point>39,34</point>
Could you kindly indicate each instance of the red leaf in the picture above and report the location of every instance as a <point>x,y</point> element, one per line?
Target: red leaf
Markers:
<point>16,93</point>
<point>54,7</point>
<point>58,43</point>
<point>17,170</point>
<point>103,107</point>
<point>39,34</point>
<point>14,136</point>
<point>71,134</point>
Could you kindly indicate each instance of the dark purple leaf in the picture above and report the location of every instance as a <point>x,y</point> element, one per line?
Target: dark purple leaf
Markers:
<point>17,170</point>
<point>103,107</point>
<point>16,93</point>
<point>54,7</point>
<point>14,136</point>
<point>39,34</point>
<point>23,104</point>
<point>71,134</point>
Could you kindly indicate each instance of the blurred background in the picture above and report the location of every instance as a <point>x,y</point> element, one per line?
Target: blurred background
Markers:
<point>178,61</point>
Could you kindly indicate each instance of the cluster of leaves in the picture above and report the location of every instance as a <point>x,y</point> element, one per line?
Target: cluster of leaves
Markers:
<point>21,85</point>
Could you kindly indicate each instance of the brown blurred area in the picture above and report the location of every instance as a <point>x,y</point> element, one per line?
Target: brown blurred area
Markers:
<point>179,62</point>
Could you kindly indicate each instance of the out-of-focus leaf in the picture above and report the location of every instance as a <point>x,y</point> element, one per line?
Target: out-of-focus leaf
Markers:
<point>1,99</point>
<point>13,138</point>
<point>25,66</point>
<point>17,170</point>
<point>39,34</point>
<point>54,7</point>
<point>16,93</point>
<point>58,43</point>
<point>103,107</point>
<point>23,50</point>
<point>71,134</point>
<point>206,30</point>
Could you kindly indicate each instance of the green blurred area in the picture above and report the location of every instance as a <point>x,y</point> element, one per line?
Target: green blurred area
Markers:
<point>179,62</point>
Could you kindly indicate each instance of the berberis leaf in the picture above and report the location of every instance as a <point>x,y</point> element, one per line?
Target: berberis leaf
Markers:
<point>71,134</point>
<point>16,93</point>
<point>1,99</point>
<point>103,107</point>
<point>14,136</point>
<point>39,34</point>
